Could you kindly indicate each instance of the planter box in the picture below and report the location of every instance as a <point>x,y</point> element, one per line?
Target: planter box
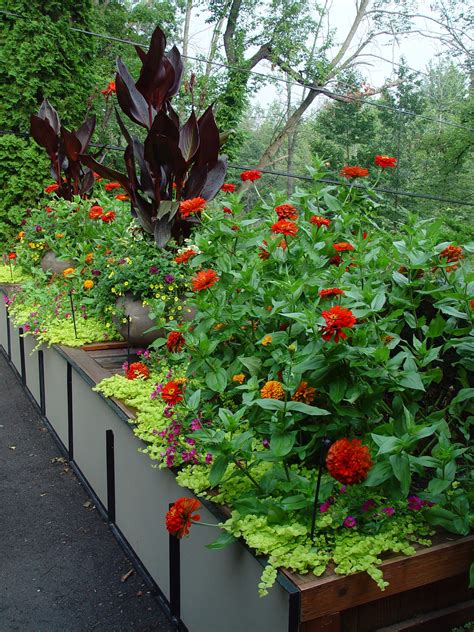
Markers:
<point>216,591</point>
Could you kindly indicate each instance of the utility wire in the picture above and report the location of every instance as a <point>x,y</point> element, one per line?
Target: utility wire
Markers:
<point>308,86</point>
<point>283,174</point>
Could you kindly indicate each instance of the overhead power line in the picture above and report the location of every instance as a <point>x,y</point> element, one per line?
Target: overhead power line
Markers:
<point>321,89</point>
<point>283,174</point>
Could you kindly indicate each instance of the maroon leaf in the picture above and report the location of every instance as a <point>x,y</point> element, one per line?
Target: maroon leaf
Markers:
<point>44,135</point>
<point>130,99</point>
<point>208,151</point>
<point>152,65</point>
<point>71,143</point>
<point>84,133</point>
<point>141,53</point>
<point>215,179</point>
<point>195,182</point>
<point>48,113</point>
<point>163,83</point>
<point>87,182</point>
<point>162,231</point>
<point>175,60</point>
<point>189,138</point>
<point>106,172</point>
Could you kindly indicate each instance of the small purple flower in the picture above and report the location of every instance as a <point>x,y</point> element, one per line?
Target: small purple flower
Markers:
<point>168,412</point>
<point>343,489</point>
<point>191,441</point>
<point>121,262</point>
<point>368,504</point>
<point>38,228</point>
<point>195,425</point>
<point>26,327</point>
<point>125,366</point>
<point>350,522</point>
<point>157,391</point>
<point>153,270</point>
<point>208,458</point>
<point>96,272</point>
<point>168,278</point>
<point>169,375</point>
<point>324,506</point>
<point>388,511</point>
<point>414,503</point>
<point>23,222</point>
<point>266,443</point>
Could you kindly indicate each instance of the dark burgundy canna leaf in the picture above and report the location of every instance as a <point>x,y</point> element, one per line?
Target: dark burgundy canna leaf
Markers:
<point>165,80</point>
<point>87,182</point>
<point>151,70</point>
<point>85,131</point>
<point>106,172</point>
<point>146,179</point>
<point>189,138</point>
<point>208,151</point>
<point>195,182</point>
<point>175,60</point>
<point>48,113</point>
<point>162,231</point>
<point>131,101</point>
<point>215,179</point>
<point>71,144</point>
<point>141,53</point>
<point>123,129</point>
<point>44,135</point>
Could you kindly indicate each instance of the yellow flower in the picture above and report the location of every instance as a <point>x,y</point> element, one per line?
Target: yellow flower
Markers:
<point>126,283</point>
<point>32,244</point>
<point>68,271</point>
<point>272,390</point>
<point>59,235</point>
<point>240,378</point>
<point>21,234</point>
<point>218,326</point>
<point>266,340</point>
<point>88,284</point>
<point>113,290</point>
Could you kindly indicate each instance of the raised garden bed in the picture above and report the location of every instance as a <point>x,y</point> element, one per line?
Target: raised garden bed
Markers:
<point>204,588</point>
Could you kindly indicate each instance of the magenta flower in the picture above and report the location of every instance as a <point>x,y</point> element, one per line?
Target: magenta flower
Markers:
<point>388,511</point>
<point>208,458</point>
<point>168,278</point>
<point>368,504</point>
<point>350,522</point>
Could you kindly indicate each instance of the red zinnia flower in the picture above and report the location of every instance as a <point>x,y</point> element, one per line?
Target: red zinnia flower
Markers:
<point>284,227</point>
<point>385,161</point>
<point>343,246</point>
<point>179,517</point>
<point>137,369</point>
<point>175,341</point>
<point>108,217</point>
<point>172,393</point>
<point>319,221</point>
<point>122,196</point>
<point>12,255</point>
<point>331,291</point>
<point>227,210</point>
<point>194,205</point>
<point>96,212</point>
<point>228,187</point>
<point>204,280</point>
<point>286,211</point>
<point>110,186</point>
<point>262,252</point>
<point>335,260</point>
<point>185,256</point>
<point>336,319</point>
<point>251,175</point>
<point>354,172</point>
<point>348,461</point>
<point>51,188</point>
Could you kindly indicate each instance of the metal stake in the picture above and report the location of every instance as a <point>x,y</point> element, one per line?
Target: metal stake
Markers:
<point>73,313</point>
<point>324,448</point>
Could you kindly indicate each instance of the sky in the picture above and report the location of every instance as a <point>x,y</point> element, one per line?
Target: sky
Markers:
<point>417,51</point>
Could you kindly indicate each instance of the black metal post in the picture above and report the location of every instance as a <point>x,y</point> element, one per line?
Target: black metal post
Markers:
<point>22,356</point>
<point>73,313</point>
<point>110,463</point>
<point>9,337</point>
<point>175,575</point>
<point>41,382</point>
<point>128,340</point>
<point>325,443</point>
<point>70,425</point>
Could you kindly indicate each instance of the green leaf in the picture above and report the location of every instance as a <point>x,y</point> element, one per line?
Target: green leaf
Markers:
<point>436,327</point>
<point>378,302</point>
<point>217,381</point>
<point>223,540</point>
<point>337,390</point>
<point>451,311</point>
<point>464,393</point>
<point>399,278</point>
<point>438,485</point>
<point>401,468</point>
<point>378,474</point>
<point>299,501</point>
<point>281,443</point>
<point>386,444</point>
<point>193,402</point>
<point>412,379</point>
<point>218,470</point>
<point>269,404</point>
<point>437,516</point>
<point>306,409</point>
<point>252,363</point>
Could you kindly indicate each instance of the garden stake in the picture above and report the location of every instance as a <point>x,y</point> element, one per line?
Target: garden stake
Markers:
<point>128,339</point>
<point>73,313</point>
<point>324,447</point>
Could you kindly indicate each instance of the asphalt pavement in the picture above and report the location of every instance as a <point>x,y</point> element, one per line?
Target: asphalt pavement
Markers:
<point>61,569</point>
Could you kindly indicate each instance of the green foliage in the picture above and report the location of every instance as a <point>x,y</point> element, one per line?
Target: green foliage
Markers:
<point>23,174</point>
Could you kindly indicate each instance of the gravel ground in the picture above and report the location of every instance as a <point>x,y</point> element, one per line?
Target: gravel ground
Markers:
<point>60,567</point>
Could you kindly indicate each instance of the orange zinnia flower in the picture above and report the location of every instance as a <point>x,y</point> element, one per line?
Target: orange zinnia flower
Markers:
<point>180,516</point>
<point>285,227</point>
<point>175,341</point>
<point>204,280</point>
<point>385,161</point>
<point>239,378</point>
<point>251,175</point>
<point>343,246</point>
<point>337,318</point>
<point>331,291</point>
<point>194,205</point>
<point>354,172</point>
<point>88,284</point>
<point>110,186</point>
<point>185,256</point>
<point>137,369</point>
<point>304,393</point>
<point>286,211</point>
<point>122,196</point>
<point>319,221</point>
<point>172,393</point>
<point>89,257</point>
<point>348,461</point>
<point>272,390</point>
<point>68,271</point>
<point>266,340</point>
<point>95,212</point>
<point>51,188</point>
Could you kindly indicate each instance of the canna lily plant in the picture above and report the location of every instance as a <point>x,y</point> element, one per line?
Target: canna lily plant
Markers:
<point>175,162</point>
<point>64,148</point>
